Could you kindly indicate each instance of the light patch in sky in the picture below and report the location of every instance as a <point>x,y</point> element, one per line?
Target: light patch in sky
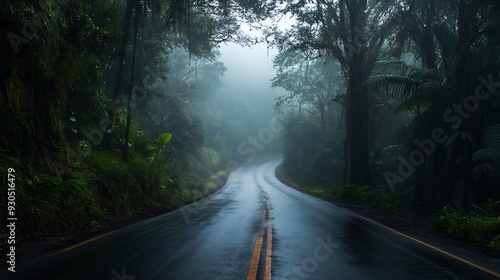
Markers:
<point>251,68</point>
<point>248,68</point>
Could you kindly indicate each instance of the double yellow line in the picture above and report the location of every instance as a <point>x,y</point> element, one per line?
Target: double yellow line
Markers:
<point>254,263</point>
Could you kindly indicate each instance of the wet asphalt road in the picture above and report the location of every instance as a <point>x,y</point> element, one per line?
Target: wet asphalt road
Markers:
<point>215,239</point>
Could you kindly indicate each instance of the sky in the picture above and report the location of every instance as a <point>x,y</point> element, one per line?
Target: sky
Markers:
<point>248,66</point>
<point>248,77</point>
<point>249,72</point>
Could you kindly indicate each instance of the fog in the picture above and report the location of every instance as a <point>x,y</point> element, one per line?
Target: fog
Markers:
<point>133,103</point>
<point>246,91</point>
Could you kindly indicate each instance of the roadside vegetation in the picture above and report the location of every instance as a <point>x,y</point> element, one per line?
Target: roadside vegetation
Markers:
<point>475,225</point>
<point>105,108</point>
<point>111,109</point>
<point>479,225</point>
<point>363,195</point>
<point>104,190</point>
<point>394,105</point>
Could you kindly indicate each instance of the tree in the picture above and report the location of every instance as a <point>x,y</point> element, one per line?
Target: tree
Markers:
<point>312,81</point>
<point>353,32</point>
<point>431,92</point>
<point>198,25</point>
<point>42,66</point>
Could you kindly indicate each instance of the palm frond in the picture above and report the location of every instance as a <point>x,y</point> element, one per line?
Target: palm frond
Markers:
<point>434,74</point>
<point>490,146</point>
<point>447,38</point>
<point>457,136</point>
<point>486,155</point>
<point>398,86</point>
<point>413,86</point>
<point>410,104</point>
<point>491,137</point>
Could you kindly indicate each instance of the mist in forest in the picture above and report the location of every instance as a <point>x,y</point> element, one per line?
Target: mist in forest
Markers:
<point>246,89</point>
<point>135,106</point>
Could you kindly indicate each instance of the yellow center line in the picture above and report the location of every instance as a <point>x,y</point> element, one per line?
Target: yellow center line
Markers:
<point>269,245</point>
<point>254,263</point>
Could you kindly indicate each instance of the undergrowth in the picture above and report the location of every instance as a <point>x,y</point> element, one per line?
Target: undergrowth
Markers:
<point>101,188</point>
<point>370,196</point>
<point>479,225</point>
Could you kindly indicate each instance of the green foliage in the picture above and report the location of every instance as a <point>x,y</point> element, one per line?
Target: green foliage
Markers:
<point>224,125</point>
<point>366,195</point>
<point>487,159</point>
<point>159,144</point>
<point>309,82</point>
<point>198,172</point>
<point>301,136</point>
<point>132,187</point>
<point>481,228</point>
<point>370,196</point>
<point>412,87</point>
<point>54,90</point>
<point>490,152</point>
<point>325,167</point>
<point>104,186</point>
<point>309,159</point>
<point>44,203</point>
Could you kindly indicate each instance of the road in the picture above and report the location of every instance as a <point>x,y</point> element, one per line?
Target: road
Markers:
<point>254,228</point>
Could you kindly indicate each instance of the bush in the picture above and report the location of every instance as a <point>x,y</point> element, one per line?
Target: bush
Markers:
<point>369,196</point>
<point>469,225</point>
<point>44,203</point>
<point>104,185</point>
<point>136,186</point>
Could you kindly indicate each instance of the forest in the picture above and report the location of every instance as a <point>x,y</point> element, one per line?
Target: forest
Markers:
<point>113,109</point>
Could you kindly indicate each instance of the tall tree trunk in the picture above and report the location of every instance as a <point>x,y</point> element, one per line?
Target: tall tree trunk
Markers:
<point>131,85</point>
<point>357,127</point>
<point>357,100</point>
<point>428,49</point>
<point>419,191</point>
<point>119,73</point>
<point>461,85</point>
<point>346,171</point>
<point>322,118</point>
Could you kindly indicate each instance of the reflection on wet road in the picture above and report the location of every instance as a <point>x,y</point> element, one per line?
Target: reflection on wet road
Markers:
<point>217,238</point>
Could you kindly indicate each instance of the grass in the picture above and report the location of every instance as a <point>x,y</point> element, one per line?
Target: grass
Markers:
<point>480,227</point>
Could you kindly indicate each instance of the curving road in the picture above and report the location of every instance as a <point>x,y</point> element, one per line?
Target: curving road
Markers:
<point>254,228</point>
